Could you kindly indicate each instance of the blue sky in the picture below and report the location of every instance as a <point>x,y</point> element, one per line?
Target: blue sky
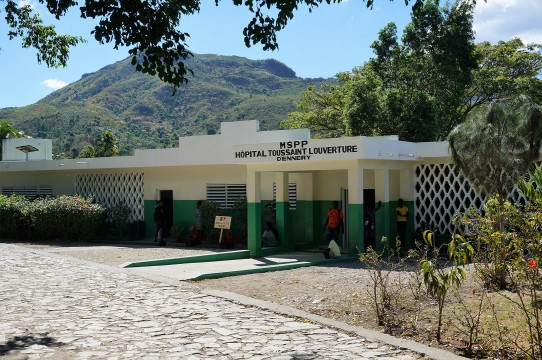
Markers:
<point>331,39</point>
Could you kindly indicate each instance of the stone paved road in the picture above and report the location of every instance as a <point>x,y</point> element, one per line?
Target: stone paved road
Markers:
<point>59,308</point>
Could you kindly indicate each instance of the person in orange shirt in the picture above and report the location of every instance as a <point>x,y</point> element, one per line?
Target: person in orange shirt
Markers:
<point>402,216</point>
<point>334,221</point>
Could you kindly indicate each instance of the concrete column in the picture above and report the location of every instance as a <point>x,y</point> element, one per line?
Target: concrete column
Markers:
<point>408,194</point>
<point>355,210</point>
<point>384,215</point>
<point>308,199</point>
<point>282,213</point>
<point>254,212</point>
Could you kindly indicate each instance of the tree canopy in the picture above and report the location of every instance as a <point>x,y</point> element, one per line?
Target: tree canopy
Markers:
<point>150,29</point>
<point>497,145</point>
<point>423,85</point>
<point>106,146</point>
<point>413,86</point>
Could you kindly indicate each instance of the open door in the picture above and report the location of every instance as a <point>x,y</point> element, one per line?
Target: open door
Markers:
<point>167,197</point>
<point>370,217</point>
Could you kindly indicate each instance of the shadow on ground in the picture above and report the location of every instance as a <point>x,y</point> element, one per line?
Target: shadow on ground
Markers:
<point>24,341</point>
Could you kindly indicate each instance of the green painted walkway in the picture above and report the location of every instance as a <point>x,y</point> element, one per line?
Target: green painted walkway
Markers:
<point>223,268</point>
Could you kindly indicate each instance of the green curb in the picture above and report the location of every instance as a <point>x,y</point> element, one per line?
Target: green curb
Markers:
<point>269,268</point>
<point>228,255</point>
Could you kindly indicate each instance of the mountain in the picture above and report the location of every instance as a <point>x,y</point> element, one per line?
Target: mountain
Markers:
<point>143,113</point>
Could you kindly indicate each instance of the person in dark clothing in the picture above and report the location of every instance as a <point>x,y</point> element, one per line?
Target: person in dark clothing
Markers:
<point>160,221</point>
<point>402,217</point>
<point>270,236</point>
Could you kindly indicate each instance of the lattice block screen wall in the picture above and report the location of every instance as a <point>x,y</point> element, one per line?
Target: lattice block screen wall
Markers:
<point>442,191</point>
<point>111,189</point>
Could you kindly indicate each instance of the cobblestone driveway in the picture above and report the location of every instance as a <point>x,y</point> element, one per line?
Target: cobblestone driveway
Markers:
<point>59,308</point>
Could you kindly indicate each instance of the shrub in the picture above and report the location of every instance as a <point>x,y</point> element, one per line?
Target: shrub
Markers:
<point>65,217</point>
<point>509,255</point>
<point>209,210</point>
<point>240,217</point>
<point>177,232</point>
<point>387,287</point>
<point>13,222</point>
<point>119,215</point>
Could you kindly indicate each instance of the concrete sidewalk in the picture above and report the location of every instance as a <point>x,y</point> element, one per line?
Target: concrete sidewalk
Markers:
<point>216,269</point>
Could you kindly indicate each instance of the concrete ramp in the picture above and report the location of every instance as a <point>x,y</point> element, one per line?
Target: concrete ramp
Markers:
<point>223,268</point>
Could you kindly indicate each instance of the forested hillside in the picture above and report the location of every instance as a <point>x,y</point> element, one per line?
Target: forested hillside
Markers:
<point>142,112</point>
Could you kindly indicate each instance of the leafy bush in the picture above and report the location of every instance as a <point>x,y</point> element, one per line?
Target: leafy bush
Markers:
<point>119,215</point>
<point>65,217</point>
<point>510,252</point>
<point>241,219</point>
<point>385,291</point>
<point>13,221</point>
<point>177,232</point>
<point>209,210</point>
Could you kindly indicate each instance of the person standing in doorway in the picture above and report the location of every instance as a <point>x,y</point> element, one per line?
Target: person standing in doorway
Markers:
<point>160,221</point>
<point>334,222</point>
<point>270,236</point>
<point>402,217</point>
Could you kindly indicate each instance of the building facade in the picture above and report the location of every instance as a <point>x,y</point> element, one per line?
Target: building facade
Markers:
<point>300,176</point>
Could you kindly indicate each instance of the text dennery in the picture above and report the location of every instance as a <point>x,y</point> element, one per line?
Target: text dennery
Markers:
<point>295,151</point>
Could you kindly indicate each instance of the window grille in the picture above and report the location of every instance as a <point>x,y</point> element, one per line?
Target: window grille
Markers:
<point>30,192</point>
<point>442,191</point>
<point>226,194</point>
<point>111,189</point>
<point>292,195</point>
<point>46,191</point>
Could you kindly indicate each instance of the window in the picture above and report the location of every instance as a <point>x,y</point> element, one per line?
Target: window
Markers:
<point>28,191</point>
<point>226,194</point>
<point>292,195</point>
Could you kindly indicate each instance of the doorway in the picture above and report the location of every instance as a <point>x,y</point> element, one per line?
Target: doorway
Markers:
<point>369,228</point>
<point>166,196</point>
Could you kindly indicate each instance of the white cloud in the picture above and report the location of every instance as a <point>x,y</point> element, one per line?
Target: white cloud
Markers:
<point>54,84</point>
<point>27,2</point>
<point>496,20</point>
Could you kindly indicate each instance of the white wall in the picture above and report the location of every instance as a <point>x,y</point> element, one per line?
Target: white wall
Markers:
<point>11,153</point>
<point>190,182</point>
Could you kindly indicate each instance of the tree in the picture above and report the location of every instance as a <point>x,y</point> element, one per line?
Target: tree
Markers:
<point>374,110</point>
<point>434,62</point>
<point>493,149</point>
<point>321,110</point>
<point>106,146</point>
<point>507,69</point>
<point>7,131</point>
<point>53,49</point>
<point>412,89</point>
<point>151,29</point>
<point>496,147</point>
<point>87,152</point>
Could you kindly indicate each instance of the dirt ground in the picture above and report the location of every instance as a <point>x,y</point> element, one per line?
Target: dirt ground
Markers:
<point>340,291</point>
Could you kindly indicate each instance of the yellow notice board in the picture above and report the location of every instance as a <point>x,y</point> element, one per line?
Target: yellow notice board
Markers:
<point>222,222</point>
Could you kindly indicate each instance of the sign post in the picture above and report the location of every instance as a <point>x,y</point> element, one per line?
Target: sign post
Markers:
<point>222,222</point>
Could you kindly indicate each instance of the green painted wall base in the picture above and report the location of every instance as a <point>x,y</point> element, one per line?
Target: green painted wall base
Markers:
<point>269,268</point>
<point>386,225</point>
<point>356,231</point>
<point>228,255</point>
